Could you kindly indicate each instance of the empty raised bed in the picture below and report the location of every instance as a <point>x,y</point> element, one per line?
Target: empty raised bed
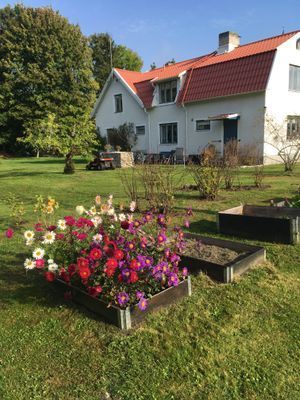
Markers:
<point>220,259</point>
<point>267,223</point>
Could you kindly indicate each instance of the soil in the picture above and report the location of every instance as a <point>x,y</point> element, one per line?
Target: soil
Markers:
<point>207,252</point>
<point>248,187</point>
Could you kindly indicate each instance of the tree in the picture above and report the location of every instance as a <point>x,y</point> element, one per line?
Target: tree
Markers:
<point>108,54</point>
<point>285,141</point>
<point>45,69</point>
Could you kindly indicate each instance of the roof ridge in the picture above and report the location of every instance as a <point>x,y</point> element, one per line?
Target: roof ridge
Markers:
<point>269,38</point>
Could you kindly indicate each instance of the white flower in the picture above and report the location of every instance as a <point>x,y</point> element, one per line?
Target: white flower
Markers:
<point>129,217</point>
<point>122,217</point>
<point>92,211</point>
<point>80,210</point>
<point>111,211</point>
<point>115,217</point>
<point>50,261</point>
<point>38,253</point>
<point>28,235</point>
<point>96,221</point>
<point>98,199</point>
<point>97,238</point>
<point>61,224</point>
<point>29,242</point>
<point>112,226</point>
<point>132,206</point>
<point>49,237</point>
<point>29,263</point>
<point>52,267</point>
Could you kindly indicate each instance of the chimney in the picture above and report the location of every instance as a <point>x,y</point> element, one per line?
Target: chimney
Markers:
<point>228,41</point>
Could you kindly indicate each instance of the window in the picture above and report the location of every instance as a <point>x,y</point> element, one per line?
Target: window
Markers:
<point>293,127</point>
<point>202,125</point>
<point>167,91</point>
<point>168,133</point>
<point>118,103</point>
<point>294,83</point>
<point>298,44</point>
<point>140,130</point>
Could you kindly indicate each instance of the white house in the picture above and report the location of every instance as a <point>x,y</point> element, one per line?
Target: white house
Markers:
<point>209,99</point>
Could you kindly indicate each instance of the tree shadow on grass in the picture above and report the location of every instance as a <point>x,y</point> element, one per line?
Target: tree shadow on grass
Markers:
<point>203,226</point>
<point>13,174</point>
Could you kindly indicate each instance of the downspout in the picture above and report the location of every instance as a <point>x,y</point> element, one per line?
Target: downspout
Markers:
<point>186,134</point>
<point>149,127</point>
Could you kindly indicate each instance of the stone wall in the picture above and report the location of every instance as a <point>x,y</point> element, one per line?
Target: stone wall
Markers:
<point>122,159</point>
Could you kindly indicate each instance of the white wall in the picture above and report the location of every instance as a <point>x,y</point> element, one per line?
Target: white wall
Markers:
<point>280,101</point>
<point>107,118</point>
<point>250,107</point>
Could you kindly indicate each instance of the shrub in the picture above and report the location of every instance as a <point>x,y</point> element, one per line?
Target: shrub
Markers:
<point>123,137</point>
<point>230,163</point>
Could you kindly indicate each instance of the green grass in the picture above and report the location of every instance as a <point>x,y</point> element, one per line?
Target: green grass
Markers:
<point>238,341</point>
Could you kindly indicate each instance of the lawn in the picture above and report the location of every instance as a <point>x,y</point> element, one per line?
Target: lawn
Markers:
<point>237,341</point>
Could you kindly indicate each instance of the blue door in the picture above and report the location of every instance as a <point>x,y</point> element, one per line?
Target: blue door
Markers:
<point>230,129</point>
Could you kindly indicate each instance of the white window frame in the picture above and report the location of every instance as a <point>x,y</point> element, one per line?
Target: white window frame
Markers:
<point>160,133</point>
<point>164,83</point>
<point>140,126</point>
<point>118,95</point>
<point>293,127</point>
<point>294,78</point>
<point>205,122</point>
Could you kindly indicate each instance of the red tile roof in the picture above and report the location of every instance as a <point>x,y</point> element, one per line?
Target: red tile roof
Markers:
<point>243,70</point>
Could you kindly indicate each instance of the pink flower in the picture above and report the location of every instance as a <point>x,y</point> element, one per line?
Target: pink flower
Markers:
<point>38,227</point>
<point>82,236</point>
<point>40,263</point>
<point>9,233</point>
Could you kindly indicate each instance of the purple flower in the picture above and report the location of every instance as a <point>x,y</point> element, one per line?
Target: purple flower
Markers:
<point>167,252</point>
<point>174,258</point>
<point>139,294</point>
<point>123,298</point>
<point>125,274</point>
<point>143,303</point>
<point>148,261</point>
<point>186,223</point>
<point>129,246</point>
<point>147,217</point>
<point>141,259</point>
<point>184,271</point>
<point>173,280</point>
<point>131,228</point>
<point>161,238</point>
<point>161,220</point>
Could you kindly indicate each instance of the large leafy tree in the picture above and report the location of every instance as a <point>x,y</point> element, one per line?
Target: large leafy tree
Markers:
<point>45,69</point>
<point>108,54</point>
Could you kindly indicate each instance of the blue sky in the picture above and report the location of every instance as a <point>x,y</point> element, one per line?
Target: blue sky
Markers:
<point>161,30</point>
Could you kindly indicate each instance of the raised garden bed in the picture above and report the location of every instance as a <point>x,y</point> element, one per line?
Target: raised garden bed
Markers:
<point>222,260</point>
<point>129,317</point>
<point>267,223</point>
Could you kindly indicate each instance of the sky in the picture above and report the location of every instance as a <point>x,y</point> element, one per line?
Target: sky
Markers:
<point>161,30</point>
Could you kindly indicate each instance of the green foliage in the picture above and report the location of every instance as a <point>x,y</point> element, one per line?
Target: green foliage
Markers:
<point>108,54</point>
<point>124,136</point>
<point>45,70</point>
<point>208,178</point>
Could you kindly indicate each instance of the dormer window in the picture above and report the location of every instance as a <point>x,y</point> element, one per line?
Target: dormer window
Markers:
<point>298,44</point>
<point>118,103</point>
<point>167,91</point>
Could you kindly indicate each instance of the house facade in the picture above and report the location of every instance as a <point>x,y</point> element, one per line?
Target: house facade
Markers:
<point>230,93</point>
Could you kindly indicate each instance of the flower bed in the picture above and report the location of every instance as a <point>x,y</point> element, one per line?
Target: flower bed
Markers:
<point>108,258</point>
<point>267,223</point>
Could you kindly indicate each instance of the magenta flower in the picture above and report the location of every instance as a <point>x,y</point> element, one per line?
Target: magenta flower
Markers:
<point>173,280</point>
<point>161,238</point>
<point>161,220</point>
<point>186,223</point>
<point>184,271</point>
<point>143,303</point>
<point>9,233</point>
<point>139,294</point>
<point>123,298</point>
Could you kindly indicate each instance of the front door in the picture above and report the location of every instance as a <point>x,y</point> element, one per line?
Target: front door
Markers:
<point>230,129</point>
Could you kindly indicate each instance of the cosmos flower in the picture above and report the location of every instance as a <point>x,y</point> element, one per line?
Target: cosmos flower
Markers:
<point>52,267</point>
<point>80,210</point>
<point>61,224</point>
<point>38,253</point>
<point>29,263</point>
<point>28,235</point>
<point>123,298</point>
<point>143,303</point>
<point>49,237</point>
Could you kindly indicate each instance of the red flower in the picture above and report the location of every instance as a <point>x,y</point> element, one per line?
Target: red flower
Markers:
<point>38,227</point>
<point>64,276</point>
<point>125,224</point>
<point>95,253</point>
<point>59,236</point>
<point>70,221</point>
<point>133,277</point>
<point>110,271</point>
<point>52,228</point>
<point>72,269</point>
<point>82,263</point>
<point>120,278</point>
<point>40,263</point>
<point>81,236</point>
<point>95,290</point>
<point>119,254</point>
<point>112,263</point>
<point>9,233</point>
<point>50,276</point>
<point>134,264</point>
<point>84,273</point>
